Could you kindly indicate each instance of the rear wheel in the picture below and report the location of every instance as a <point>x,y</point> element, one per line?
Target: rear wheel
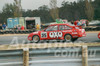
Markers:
<point>36,39</point>
<point>68,37</point>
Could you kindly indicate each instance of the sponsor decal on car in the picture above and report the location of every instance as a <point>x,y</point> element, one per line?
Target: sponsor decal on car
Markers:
<point>74,33</point>
<point>55,34</point>
<point>67,31</point>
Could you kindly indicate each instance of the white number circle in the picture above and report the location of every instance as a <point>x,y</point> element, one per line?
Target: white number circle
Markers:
<point>51,34</point>
<point>60,34</point>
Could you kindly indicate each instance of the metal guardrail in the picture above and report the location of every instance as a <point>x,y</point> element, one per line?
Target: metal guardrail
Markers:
<point>28,54</point>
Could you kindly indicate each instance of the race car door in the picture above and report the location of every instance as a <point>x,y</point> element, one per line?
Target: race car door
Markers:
<point>64,29</point>
<point>50,33</point>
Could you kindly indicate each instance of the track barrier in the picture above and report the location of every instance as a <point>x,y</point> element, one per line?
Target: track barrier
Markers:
<point>28,54</point>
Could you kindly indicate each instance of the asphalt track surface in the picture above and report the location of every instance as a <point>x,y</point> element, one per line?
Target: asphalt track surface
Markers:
<point>22,39</point>
<point>49,61</point>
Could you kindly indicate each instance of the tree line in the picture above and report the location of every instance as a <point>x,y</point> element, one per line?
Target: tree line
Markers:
<point>69,10</point>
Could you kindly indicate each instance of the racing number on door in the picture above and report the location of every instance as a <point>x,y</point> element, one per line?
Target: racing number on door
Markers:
<point>44,35</point>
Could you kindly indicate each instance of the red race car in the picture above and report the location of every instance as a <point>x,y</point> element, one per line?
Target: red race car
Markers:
<point>64,32</point>
<point>99,35</point>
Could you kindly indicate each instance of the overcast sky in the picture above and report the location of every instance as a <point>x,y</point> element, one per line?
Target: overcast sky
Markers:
<point>32,4</point>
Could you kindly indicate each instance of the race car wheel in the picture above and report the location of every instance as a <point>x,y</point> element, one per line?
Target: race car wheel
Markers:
<point>68,37</point>
<point>36,39</point>
<point>99,35</point>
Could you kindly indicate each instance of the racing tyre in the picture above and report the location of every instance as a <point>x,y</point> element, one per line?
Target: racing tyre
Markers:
<point>47,41</point>
<point>68,38</point>
<point>36,39</point>
<point>74,39</point>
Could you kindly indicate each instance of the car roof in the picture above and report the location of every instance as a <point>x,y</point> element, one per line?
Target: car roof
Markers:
<point>60,24</point>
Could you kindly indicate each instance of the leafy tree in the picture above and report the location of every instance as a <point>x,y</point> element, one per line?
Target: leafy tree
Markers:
<point>44,13</point>
<point>96,5</point>
<point>68,10</point>
<point>18,8</point>
<point>53,9</point>
<point>7,12</point>
<point>89,10</point>
<point>72,10</point>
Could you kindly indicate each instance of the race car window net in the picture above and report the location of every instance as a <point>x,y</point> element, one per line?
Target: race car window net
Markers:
<point>77,27</point>
<point>64,27</point>
<point>52,28</point>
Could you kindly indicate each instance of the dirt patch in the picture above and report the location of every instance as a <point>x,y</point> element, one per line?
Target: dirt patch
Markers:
<point>92,31</point>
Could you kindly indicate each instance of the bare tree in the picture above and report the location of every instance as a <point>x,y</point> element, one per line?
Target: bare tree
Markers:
<point>18,9</point>
<point>53,9</point>
<point>89,10</point>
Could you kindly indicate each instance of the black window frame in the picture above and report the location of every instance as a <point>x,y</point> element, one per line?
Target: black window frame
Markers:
<point>52,30</point>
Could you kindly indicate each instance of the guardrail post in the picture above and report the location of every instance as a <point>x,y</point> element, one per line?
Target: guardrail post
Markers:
<point>26,57</point>
<point>84,56</point>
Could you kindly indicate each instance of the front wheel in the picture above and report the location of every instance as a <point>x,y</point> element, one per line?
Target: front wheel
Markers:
<point>36,39</point>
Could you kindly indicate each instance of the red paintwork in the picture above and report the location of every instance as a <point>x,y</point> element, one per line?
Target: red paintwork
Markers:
<point>74,32</point>
<point>99,35</point>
